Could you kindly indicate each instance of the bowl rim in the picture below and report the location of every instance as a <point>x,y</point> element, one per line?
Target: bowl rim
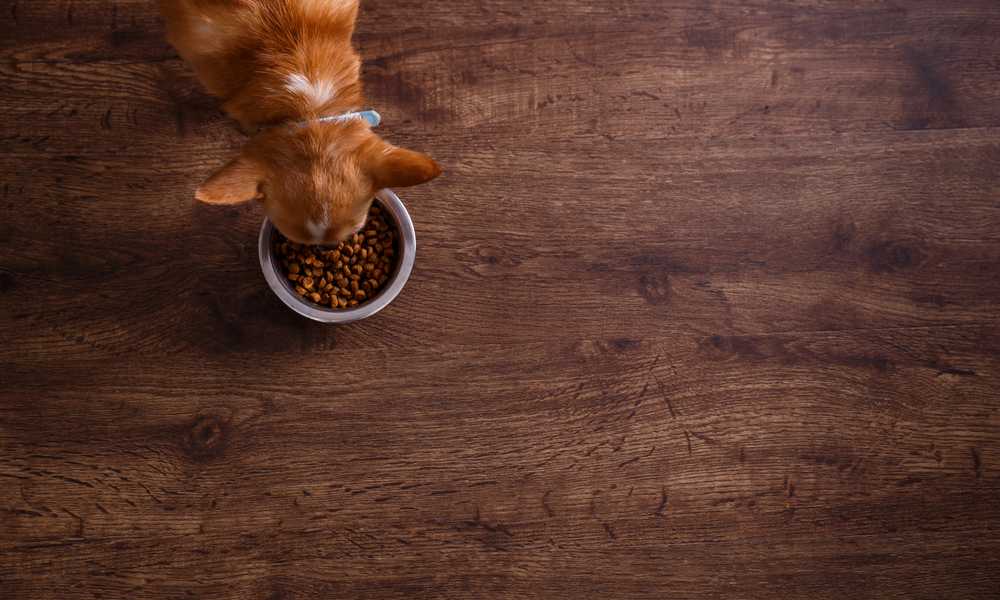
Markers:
<point>407,248</point>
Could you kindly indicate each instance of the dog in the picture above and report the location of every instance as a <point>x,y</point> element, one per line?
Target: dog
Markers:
<point>287,70</point>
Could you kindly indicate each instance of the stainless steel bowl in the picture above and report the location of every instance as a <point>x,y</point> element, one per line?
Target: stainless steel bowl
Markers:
<point>282,288</point>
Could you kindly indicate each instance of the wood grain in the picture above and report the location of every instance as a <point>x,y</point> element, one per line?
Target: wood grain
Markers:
<point>706,306</point>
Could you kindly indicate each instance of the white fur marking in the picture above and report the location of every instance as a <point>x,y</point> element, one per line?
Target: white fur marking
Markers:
<point>327,6</point>
<point>316,230</point>
<point>318,92</point>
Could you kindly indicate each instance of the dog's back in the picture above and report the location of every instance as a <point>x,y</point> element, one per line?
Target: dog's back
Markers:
<point>233,45</point>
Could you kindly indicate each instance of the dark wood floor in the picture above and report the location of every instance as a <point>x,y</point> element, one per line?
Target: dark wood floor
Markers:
<point>706,306</point>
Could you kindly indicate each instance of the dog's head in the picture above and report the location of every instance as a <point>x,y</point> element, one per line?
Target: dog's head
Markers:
<point>317,181</point>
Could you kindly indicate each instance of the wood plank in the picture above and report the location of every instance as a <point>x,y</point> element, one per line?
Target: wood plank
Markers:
<point>573,69</point>
<point>822,455</point>
<point>735,238</point>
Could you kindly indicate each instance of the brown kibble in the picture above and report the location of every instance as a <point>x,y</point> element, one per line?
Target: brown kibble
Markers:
<point>345,276</point>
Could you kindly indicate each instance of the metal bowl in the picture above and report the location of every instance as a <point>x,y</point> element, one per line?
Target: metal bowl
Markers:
<point>269,264</point>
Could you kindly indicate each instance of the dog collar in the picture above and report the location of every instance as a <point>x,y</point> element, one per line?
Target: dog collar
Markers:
<point>373,118</point>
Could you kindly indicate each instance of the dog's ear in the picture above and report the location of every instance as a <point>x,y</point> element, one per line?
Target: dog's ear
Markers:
<point>390,166</point>
<point>239,181</point>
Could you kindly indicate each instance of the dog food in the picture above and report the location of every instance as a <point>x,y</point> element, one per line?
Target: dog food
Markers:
<point>348,275</point>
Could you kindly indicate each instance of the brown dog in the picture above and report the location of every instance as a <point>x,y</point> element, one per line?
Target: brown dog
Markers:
<point>280,66</point>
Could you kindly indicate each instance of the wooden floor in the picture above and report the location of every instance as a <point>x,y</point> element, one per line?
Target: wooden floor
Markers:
<point>706,306</point>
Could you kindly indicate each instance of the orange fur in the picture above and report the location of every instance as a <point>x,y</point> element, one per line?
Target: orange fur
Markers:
<point>281,63</point>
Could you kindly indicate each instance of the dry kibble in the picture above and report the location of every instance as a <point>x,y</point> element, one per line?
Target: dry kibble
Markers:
<point>348,275</point>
